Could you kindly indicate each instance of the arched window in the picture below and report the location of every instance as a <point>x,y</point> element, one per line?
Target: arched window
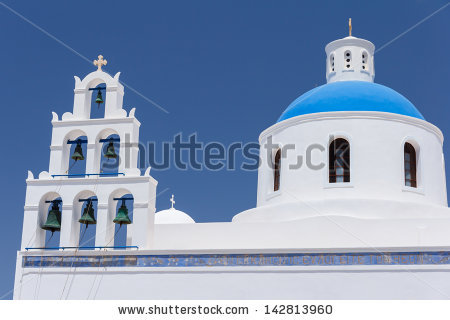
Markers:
<point>109,159</point>
<point>123,211</point>
<point>98,101</point>
<point>52,222</point>
<point>77,157</point>
<point>410,166</point>
<point>276,171</point>
<point>339,161</point>
<point>88,216</point>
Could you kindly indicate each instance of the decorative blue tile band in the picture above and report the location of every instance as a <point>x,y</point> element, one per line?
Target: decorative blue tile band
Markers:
<point>231,260</point>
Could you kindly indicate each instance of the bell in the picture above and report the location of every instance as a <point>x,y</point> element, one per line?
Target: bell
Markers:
<point>99,99</point>
<point>88,215</point>
<point>110,152</point>
<point>53,222</point>
<point>78,152</point>
<point>122,215</point>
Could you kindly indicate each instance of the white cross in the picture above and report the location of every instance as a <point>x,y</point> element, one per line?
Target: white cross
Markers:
<point>100,62</point>
<point>172,200</point>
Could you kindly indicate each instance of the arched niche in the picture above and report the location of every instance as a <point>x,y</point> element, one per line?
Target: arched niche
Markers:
<point>102,164</point>
<point>97,111</point>
<point>365,60</point>
<point>122,234</point>
<point>85,235</point>
<point>68,164</point>
<point>43,210</point>
<point>331,63</point>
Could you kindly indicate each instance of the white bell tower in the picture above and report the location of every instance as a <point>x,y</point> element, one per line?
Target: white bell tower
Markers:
<point>57,183</point>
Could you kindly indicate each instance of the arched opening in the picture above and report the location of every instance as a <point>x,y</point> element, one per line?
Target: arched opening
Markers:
<point>87,208</point>
<point>98,101</point>
<point>109,158</point>
<point>348,59</point>
<point>332,62</point>
<point>51,222</point>
<point>123,219</point>
<point>364,59</point>
<point>410,164</point>
<point>77,157</point>
<point>276,170</point>
<point>339,161</point>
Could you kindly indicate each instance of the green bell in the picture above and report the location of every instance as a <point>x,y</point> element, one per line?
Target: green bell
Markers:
<point>88,215</point>
<point>110,152</point>
<point>99,99</point>
<point>122,215</point>
<point>53,222</point>
<point>78,152</point>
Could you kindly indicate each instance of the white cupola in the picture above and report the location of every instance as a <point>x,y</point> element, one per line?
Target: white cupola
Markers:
<point>350,59</point>
<point>172,215</point>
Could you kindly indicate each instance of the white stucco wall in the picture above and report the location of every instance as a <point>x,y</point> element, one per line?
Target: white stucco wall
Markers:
<point>376,166</point>
<point>322,234</point>
<point>324,282</point>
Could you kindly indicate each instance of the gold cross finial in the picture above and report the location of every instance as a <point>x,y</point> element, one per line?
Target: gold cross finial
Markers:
<point>172,200</point>
<point>350,27</point>
<point>100,62</point>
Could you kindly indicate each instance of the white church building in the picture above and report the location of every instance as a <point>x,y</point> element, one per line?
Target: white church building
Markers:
<point>365,217</point>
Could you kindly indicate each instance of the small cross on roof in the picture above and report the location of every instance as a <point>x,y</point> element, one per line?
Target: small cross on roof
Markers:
<point>172,200</point>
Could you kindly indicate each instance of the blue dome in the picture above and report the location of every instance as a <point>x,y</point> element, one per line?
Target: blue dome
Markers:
<point>351,96</point>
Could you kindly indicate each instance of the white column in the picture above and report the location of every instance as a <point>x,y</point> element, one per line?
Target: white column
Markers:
<point>105,227</point>
<point>32,234</point>
<point>55,160</point>
<point>128,156</point>
<point>91,158</point>
<point>143,226</point>
<point>129,149</point>
<point>70,227</point>
<point>114,100</point>
<point>129,241</point>
<point>82,102</point>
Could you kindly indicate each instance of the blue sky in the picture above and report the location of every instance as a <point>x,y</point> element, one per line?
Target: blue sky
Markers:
<point>224,70</point>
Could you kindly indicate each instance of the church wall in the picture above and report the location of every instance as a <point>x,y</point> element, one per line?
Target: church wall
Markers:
<point>310,233</point>
<point>311,282</point>
<point>376,158</point>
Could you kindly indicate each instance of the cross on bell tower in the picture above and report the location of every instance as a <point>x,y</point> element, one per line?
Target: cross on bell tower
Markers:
<point>100,62</point>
